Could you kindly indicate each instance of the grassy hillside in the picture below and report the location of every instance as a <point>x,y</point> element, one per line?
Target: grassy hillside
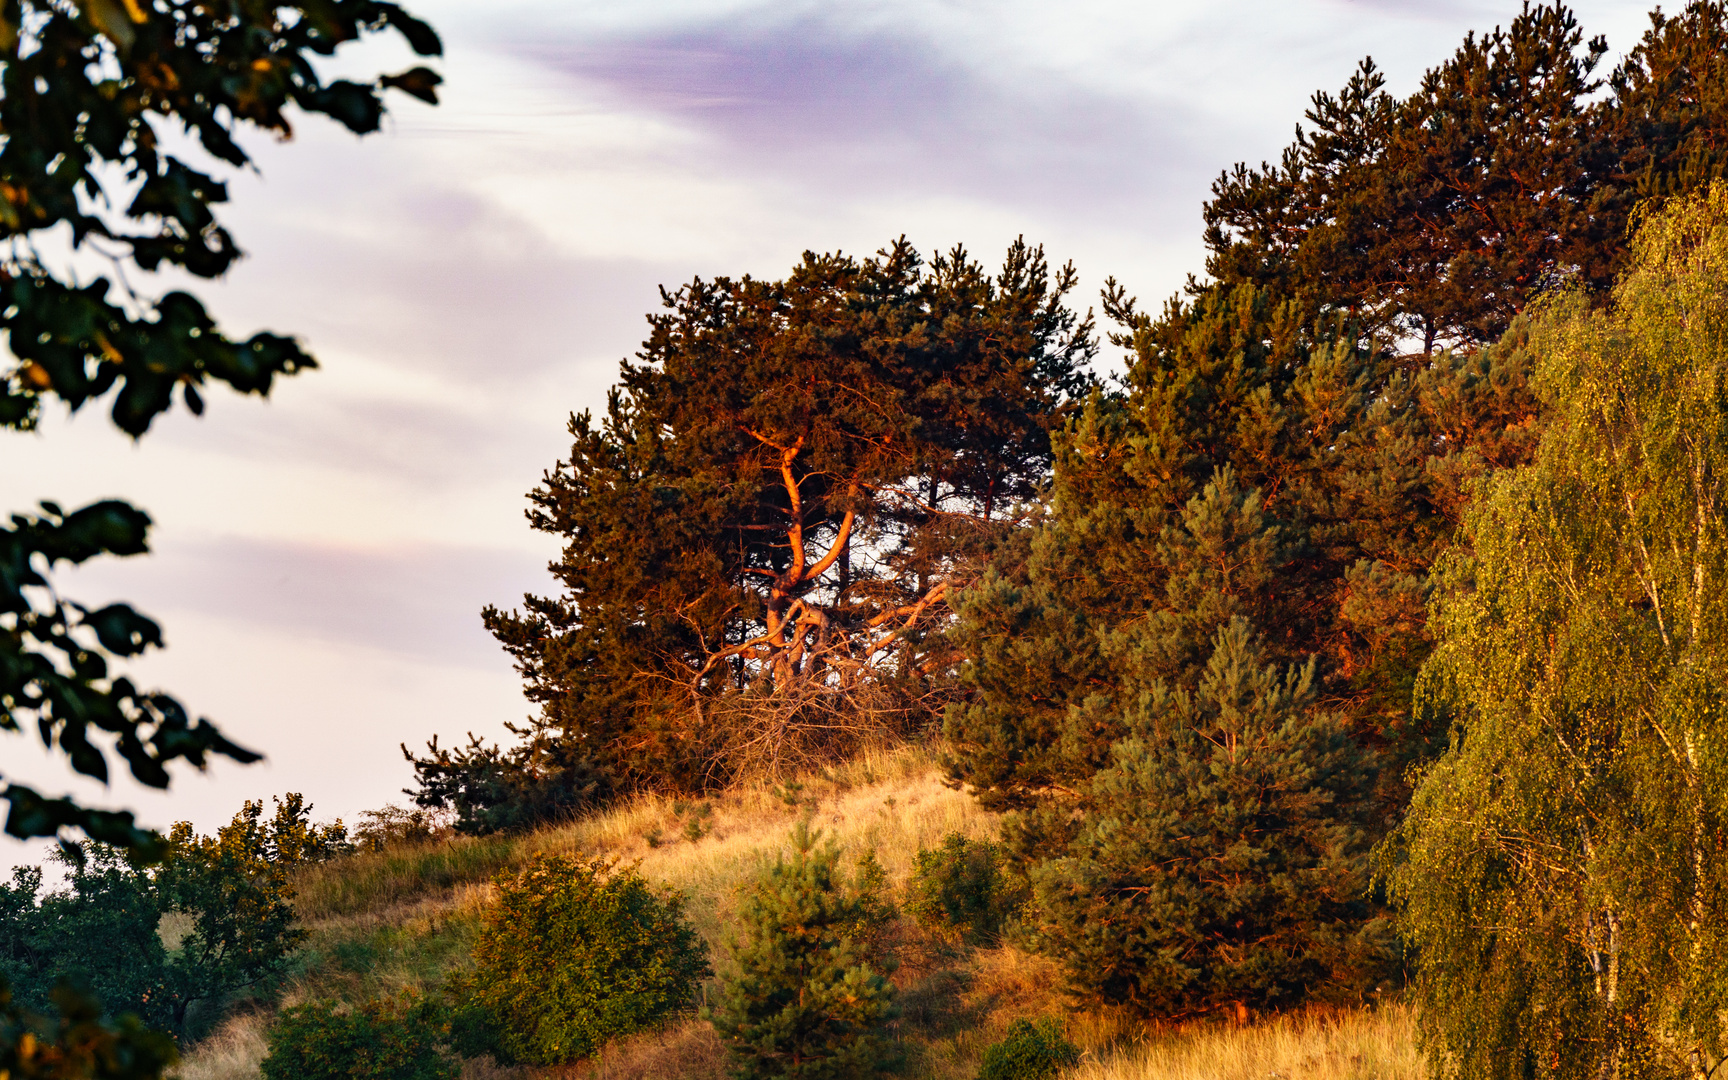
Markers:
<point>399,919</point>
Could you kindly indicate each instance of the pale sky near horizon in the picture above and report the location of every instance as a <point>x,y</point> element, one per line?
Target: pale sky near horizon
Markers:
<point>473,274</point>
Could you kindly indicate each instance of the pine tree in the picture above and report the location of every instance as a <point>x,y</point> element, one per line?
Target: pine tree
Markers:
<point>1562,867</point>
<point>762,532</point>
<point>1256,468</point>
<point>802,1003</point>
<point>1223,856</point>
<point>1666,125</point>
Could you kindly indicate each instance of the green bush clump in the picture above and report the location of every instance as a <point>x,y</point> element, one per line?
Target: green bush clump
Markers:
<point>959,891</point>
<point>390,1039</point>
<point>573,954</point>
<point>1029,1052</point>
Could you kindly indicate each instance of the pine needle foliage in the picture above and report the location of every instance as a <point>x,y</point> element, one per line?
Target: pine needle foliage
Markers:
<point>802,1003</point>
<point>1564,868</point>
<point>763,530</point>
<point>1223,865</point>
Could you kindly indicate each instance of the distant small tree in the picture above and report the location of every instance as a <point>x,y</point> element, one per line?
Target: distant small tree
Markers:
<point>801,1003</point>
<point>573,954</point>
<point>489,789</point>
<point>961,890</point>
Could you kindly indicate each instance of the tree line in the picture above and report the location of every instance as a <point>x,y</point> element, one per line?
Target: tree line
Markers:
<point>1182,625</point>
<point>1367,625</point>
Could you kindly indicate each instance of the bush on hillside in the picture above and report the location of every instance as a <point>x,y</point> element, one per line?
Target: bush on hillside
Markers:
<point>392,826</point>
<point>575,953</point>
<point>233,893</point>
<point>1029,1052</point>
<point>959,891</point>
<point>802,1002</point>
<point>391,1039</point>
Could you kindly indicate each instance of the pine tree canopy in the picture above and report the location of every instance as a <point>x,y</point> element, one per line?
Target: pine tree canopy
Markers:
<point>1565,864</point>
<point>1436,219</point>
<point>1224,859</point>
<point>788,484</point>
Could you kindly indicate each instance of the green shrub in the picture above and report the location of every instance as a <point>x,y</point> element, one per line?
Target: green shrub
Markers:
<point>802,1002</point>
<point>959,891</point>
<point>393,1039</point>
<point>574,953</point>
<point>1029,1052</point>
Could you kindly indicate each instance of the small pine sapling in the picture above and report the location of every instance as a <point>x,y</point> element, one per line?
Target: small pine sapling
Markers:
<point>802,1003</point>
<point>959,891</point>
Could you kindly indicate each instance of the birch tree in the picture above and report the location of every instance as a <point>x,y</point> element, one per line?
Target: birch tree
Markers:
<point>1562,867</point>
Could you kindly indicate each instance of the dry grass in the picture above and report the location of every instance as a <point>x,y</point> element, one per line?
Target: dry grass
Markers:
<point>1377,1044</point>
<point>401,919</point>
<point>231,1052</point>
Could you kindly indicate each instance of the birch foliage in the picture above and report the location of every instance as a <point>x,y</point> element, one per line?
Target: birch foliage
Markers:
<point>1563,864</point>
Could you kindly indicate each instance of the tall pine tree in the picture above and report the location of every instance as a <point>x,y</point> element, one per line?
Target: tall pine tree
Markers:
<point>763,533</point>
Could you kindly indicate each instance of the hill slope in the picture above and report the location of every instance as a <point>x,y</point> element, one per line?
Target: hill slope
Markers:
<point>386,921</point>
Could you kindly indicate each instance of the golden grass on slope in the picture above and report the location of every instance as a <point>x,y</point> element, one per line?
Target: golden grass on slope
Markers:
<point>1377,1044</point>
<point>402,919</point>
<point>231,1052</point>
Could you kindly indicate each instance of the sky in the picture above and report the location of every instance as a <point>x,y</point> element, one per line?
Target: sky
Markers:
<point>473,274</point>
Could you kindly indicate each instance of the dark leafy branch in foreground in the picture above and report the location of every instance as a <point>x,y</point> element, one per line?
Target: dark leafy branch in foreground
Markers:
<point>86,92</point>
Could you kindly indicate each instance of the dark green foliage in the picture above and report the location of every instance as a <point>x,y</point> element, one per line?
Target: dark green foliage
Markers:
<point>75,1043</point>
<point>389,1039</point>
<point>490,790</point>
<point>230,894</point>
<point>762,531</point>
<point>801,1001</point>
<point>960,890</point>
<point>1256,467</point>
<point>573,954</point>
<point>1029,1052</point>
<point>92,97</point>
<point>1223,860</point>
<point>46,940</point>
<point>875,912</point>
<point>1437,218</point>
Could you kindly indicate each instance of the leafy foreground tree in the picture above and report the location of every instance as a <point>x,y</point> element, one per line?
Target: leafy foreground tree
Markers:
<point>802,1003</point>
<point>571,955</point>
<point>77,1044</point>
<point>763,532</point>
<point>1564,868</point>
<point>95,101</point>
<point>233,890</point>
